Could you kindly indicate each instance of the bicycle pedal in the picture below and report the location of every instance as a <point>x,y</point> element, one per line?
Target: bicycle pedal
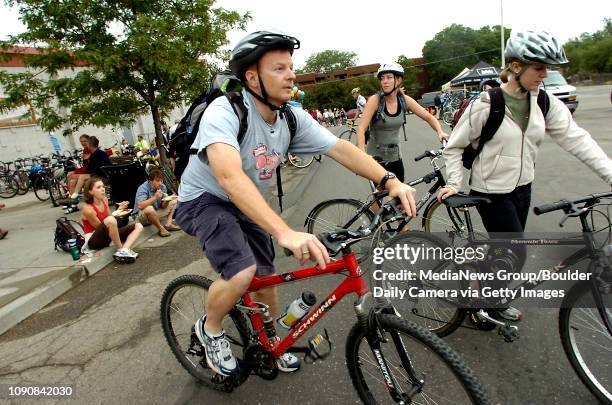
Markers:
<point>509,332</point>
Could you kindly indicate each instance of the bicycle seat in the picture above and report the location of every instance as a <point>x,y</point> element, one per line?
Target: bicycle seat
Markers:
<point>464,200</point>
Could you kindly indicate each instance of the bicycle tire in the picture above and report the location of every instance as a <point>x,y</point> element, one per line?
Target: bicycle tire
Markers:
<point>235,325</point>
<point>298,162</point>
<point>40,188</point>
<point>24,182</point>
<point>445,220</point>
<point>8,186</point>
<point>570,330</point>
<point>337,214</point>
<point>57,192</point>
<point>432,347</point>
<point>170,181</point>
<point>348,133</point>
<point>427,313</point>
<point>448,116</point>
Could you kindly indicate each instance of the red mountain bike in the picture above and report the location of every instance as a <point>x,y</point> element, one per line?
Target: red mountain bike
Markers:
<point>388,357</point>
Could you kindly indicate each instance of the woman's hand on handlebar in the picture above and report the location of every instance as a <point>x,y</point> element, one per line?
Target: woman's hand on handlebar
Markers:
<point>442,136</point>
<point>446,192</point>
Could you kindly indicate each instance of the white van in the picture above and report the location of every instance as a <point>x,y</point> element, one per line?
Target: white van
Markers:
<point>556,84</point>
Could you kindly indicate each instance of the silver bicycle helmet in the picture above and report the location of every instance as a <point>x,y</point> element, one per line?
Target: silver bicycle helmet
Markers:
<point>393,67</point>
<point>252,47</point>
<point>535,47</point>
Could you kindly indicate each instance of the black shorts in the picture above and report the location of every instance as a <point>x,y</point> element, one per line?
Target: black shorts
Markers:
<point>397,167</point>
<point>231,241</point>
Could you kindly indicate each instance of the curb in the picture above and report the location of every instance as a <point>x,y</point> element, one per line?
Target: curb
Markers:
<point>21,308</point>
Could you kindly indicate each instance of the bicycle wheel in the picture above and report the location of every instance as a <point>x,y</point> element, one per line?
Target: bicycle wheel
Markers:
<point>438,218</point>
<point>340,213</point>
<point>586,341</point>
<point>170,181</point>
<point>448,115</point>
<point>298,162</point>
<point>40,188</point>
<point>8,186</point>
<point>446,378</point>
<point>439,316</point>
<point>57,192</point>
<point>24,182</point>
<point>348,135</point>
<point>183,302</point>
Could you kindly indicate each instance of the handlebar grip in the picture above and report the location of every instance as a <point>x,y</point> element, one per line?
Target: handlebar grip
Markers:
<point>421,156</point>
<point>544,208</point>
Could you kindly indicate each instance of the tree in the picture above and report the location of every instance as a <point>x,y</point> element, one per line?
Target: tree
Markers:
<point>337,93</point>
<point>410,75</point>
<point>456,47</point>
<point>591,53</point>
<point>158,54</point>
<point>329,60</point>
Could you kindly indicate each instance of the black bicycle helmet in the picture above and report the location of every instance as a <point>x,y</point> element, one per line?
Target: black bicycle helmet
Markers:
<point>252,47</point>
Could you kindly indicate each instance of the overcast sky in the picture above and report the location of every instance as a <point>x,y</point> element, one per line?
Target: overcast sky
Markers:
<point>379,31</point>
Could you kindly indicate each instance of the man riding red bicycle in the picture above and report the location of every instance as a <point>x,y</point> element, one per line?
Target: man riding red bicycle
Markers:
<point>220,197</point>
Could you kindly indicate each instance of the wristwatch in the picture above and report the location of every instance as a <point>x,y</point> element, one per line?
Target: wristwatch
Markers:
<point>386,177</point>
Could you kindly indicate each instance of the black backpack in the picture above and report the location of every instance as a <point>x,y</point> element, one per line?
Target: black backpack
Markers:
<point>65,231</point>
<point>222,84</point>
<point>380,116</point>
<point>496,116</point>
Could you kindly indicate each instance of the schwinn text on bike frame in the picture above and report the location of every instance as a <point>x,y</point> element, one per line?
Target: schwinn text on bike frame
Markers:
<point>326,305</point>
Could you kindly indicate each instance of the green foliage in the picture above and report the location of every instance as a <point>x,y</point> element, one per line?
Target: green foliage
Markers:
<point>328,60</point>
<point>141,56</point>
<point>411,85</point>
<point>591,53</point>
<point>456,47</point>
<point>337,93</point>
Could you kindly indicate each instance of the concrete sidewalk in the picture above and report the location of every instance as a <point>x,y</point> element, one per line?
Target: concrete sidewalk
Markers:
<point>33,273</point>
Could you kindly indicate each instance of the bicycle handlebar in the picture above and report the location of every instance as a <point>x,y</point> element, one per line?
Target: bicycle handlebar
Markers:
<point>567,204</point>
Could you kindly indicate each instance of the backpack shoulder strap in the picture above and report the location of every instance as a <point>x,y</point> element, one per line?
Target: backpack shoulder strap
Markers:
<point>497,112</point>
<point>381,107</point>
<point>543,102</point>
<point>237,103</point>
<point>291,122</point>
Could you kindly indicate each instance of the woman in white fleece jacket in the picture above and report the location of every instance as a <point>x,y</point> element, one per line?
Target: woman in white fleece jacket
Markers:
<point>504,169</point>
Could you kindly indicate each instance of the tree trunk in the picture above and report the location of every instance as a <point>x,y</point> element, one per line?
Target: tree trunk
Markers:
<point>159,139</point>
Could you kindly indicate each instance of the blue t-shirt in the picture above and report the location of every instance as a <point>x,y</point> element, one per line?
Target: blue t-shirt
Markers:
<point>144,192</point>
<point>261,150</point>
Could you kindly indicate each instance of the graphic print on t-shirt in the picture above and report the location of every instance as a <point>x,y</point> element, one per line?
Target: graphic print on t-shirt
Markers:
<point>265,162</point>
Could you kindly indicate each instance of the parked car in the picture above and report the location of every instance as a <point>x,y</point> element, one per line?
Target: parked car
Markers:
<point>350,114</point>
<point>427,100</point>
<point>556,84</point>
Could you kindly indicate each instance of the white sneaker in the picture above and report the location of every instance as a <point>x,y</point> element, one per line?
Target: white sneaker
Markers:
<point>288,363</point>
<point>124,255</point>
<point>219,355</point>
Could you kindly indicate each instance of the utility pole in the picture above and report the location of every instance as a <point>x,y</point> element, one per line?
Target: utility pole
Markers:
<point>503,59</point>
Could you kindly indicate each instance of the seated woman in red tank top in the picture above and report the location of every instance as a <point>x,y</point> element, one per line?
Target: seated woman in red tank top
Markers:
<point>101,226</point>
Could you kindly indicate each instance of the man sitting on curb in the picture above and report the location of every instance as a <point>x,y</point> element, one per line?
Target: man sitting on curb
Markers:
<point>151,196</point>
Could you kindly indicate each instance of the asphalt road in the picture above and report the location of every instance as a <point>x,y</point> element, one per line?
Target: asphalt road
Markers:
<point>104,336</point>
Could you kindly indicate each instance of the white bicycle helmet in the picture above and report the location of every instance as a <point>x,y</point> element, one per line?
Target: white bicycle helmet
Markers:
<point>535,47</point>
<point>356,90</point>
<point>393,67</point>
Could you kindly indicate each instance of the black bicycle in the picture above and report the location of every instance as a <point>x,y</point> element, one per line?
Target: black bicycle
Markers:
<point>585,317</point>
<point>349,213</point>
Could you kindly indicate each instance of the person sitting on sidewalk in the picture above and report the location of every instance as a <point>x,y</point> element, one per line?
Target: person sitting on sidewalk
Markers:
<point>101,227</point>
<point>152,202</point>
<point>97,159</point>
